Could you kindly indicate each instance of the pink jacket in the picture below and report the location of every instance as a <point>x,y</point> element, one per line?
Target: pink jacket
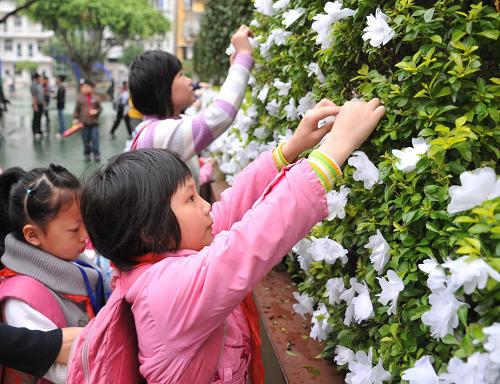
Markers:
<point>178,302</point>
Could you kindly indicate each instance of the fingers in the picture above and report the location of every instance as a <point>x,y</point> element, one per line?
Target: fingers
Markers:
<point>325,103</point>
<point>379,112</point>
<point>313,116</point>
<point>374,103</point>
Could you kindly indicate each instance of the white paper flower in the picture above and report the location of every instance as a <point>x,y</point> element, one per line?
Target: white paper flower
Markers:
<point>283,88</point>
<point>343,355</point>
<point>477,370</point>
<point>292,16</point>
<point>303,250</point>
<point>469,274</point>
<point>313,69</point>
<point>422,372</point>
<point>347,296</point>
<point>334,288</point>
<point>306,103</point>
<point>263,93</point>
<point>273,107</point>
<point>477,186</point>
<point>323,22</point>
<point>366,171</point>
<point>260,132</point>
<point>328,250</point>
<point>363,307</point>
<point>291,110</point>
<point>281,4</point>
<point>380,251</point>
<point>265,7</point>
<point>492,341</point>
<point>279,36</point>
<point>336,202</point>
<point>409,157</point>
<point>437,279</point>
<point>320,328</point>
<point>361,371</point>
<point>305,304</point>
<point>390,290</point>
<point>377,31</point>
<point>442,318</point>
<point>231,49</point>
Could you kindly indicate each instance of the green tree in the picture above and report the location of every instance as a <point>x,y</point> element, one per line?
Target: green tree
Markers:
<point>220,20</point>
<point>88,28</point>
<point>130,52</point>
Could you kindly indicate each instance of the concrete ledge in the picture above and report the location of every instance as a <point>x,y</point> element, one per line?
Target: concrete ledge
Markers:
<point>289,334</point>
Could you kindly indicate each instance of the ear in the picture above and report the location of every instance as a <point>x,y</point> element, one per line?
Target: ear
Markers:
<point>32,234</point>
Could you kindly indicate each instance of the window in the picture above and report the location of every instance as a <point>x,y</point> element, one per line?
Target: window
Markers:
<point>8,45</point>
<point>188,5</point>
<point>18,21</point>
<point>30,50</point>
<point>19,50</point>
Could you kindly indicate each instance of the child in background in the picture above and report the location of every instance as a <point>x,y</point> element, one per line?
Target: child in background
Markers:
<point>87,110</point>
<point>161,92</point>
<point>192,264</point>
<point>43,237</point>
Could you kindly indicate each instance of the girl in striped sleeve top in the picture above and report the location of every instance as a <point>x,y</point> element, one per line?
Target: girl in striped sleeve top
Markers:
<point>161,91</point>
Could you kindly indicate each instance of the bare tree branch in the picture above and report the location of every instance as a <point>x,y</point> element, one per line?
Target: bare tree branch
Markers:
<point>18,9</point>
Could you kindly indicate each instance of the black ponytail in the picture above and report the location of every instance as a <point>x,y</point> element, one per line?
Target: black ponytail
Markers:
<point>35,196</point>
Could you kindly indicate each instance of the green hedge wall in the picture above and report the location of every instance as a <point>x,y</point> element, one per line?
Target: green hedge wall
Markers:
<point>421,300</point>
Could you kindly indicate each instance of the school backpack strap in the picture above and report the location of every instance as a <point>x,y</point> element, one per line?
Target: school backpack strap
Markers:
<point>40,298</point>
<point>143,128</point>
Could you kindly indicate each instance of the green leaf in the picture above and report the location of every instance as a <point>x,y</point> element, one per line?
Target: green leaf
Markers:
<point>428,15</point>
<point>491,34</point>
<point>450,339</point>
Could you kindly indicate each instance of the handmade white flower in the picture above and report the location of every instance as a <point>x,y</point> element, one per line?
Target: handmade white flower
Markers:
<point>492,342</point>
<point>442,318</point>
<point>477,186</point>
<point>380,251</point>
<point>320,328</point>
<point>478,369</point>
<point>390,290</point>
<point>291,110</point>
<point>273,107</point>
<point>409,157</point>
<point>313,69</point>
<point>366,171</point>
<point>343,355</point>
<point>363,307</point>
<point>283,88</point>
<point>260,132</point>
<point>263,93</point>
<point>306,103</point>
<point>265,7</point>
<point>437,279</point>
<point>377,31</point>
<point>469,274</point>
<point>285,137</point>
<point>336,202</point>
<point>281,4</point>
<point>361,371</point>
<point>231,49</point>
<point>323,22</point>
<point>422,372</point>
<point>305,304</point>
<point>305,257</point>
<point>334,288</point>
<point>347,296</point>
<point>254,23</point>
<point>328,250</point>
<point>292,16</point>
<point>279,36</point>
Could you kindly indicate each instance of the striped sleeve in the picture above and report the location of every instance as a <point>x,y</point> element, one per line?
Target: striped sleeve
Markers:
<point>189,135</point>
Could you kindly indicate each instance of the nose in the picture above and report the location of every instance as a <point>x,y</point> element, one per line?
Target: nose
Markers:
<point>207,207</point>
<point>84,235</point>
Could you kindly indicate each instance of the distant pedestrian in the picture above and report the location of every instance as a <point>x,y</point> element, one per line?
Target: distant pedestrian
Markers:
<point>38,105</point>
<point>121,106</point>
<point>46,100</point>
<point>87,110</point>
<point>60,101</point>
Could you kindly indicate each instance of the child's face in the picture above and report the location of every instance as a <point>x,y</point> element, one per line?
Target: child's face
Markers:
<point>193,216</point>
<point>182,92</point>
<point>65,236</point>
<point>86,89</point>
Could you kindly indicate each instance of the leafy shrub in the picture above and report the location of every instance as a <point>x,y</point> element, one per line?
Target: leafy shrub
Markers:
<point>438,77</point>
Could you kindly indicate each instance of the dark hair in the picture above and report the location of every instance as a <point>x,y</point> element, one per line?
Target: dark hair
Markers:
<point>150,82</point>
<point>61,77</point>
<point>35,196</point>
<point>87,81</point>
<point>125,205</point>
<point>35,76</point>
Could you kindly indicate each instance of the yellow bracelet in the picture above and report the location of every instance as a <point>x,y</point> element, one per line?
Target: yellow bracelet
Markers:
<point>325,168</point>
<point>279,158</point>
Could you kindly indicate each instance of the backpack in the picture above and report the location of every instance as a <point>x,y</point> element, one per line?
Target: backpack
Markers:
<point>40,298</point>
<point>106,351</point>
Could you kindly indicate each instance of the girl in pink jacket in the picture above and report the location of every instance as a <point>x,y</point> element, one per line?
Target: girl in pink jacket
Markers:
<point>198,262</point>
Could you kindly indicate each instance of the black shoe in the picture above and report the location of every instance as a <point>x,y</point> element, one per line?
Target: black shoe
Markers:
<point>97,158</point>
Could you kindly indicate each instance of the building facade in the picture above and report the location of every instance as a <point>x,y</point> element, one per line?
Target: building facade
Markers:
<point>21,42</point>
<point>189,13</point>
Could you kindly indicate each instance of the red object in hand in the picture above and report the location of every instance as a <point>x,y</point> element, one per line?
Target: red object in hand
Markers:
<point>74,128</point>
